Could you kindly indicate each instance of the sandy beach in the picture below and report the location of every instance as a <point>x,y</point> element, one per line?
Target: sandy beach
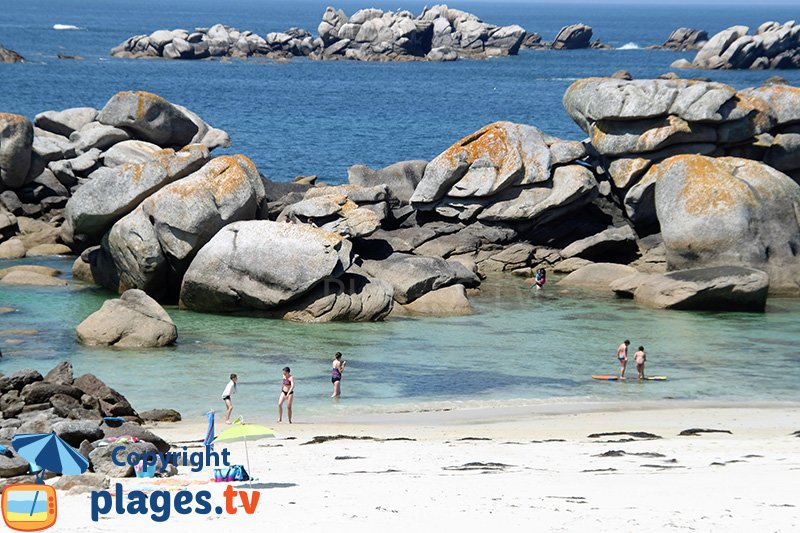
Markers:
<point>547,468</point>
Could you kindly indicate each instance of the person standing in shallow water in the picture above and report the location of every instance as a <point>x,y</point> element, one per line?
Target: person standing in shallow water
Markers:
<point>336,374</point>
<point>230,388</point>
<point>540,279</point>
<point>639,358</point>
<point>287,394</point>
<point>622,356</point>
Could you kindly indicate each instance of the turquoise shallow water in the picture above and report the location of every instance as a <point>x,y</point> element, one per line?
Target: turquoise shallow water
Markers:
<point>520,346</point>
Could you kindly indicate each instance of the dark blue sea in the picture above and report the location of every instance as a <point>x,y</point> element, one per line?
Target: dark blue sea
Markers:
<point>309,117</point>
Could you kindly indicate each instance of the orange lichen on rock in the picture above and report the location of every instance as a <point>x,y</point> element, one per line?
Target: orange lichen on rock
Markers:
<point>709,187</point>
<point>490,141</point>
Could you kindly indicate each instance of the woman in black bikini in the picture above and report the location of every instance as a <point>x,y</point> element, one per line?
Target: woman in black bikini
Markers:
<point>336,374</point>
<point>287,394</point>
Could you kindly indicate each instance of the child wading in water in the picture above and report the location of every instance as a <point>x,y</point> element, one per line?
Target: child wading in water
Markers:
<point>230,388</point>
<point>287,394</point>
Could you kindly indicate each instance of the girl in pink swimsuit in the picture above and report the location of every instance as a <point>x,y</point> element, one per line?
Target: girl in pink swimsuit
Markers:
<point>287,394</point>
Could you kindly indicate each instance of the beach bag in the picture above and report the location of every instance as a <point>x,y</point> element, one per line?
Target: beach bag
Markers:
<point>231,473</point>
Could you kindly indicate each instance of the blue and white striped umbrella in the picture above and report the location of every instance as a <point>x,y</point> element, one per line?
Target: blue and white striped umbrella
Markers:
<point>47,451</point>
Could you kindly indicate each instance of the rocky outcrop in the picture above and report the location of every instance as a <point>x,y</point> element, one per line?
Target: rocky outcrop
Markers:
<point>133,321</point>
<point>152,247</point>
<point>772,46</point>
<point>253,266</point>
<point>684,39</point>
<point>155,120</point>
<point>10,56</point>
<point>506,172</point>
<point>573,37</point>
<point>217,41</point>
<point>66,178</point>
<point>72,408</point>
<point>724,288</point>
<point>730,212</point>
<point>98,204</point>
<point>437,34</point>
<point>634,124</point>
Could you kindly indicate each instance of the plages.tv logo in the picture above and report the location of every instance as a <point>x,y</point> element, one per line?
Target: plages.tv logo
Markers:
<point>29,506</point>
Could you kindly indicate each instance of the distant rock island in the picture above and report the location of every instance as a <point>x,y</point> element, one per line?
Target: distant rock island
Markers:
<point>437,34</point>
<point>773,46</point>
<point>10,56</point>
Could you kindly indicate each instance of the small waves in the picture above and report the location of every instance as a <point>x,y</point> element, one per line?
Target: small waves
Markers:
<point>64,27</point>
<point>629,46</point>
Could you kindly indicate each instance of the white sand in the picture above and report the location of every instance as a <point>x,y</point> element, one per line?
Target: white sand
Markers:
<point>546,486</point>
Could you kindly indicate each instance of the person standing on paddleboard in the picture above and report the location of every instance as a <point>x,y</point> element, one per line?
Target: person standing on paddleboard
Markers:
<point>640,357</point>
<point>622,356</point>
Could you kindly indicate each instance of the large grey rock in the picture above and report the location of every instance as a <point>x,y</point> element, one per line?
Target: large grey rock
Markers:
<point>61,374</point>
<point>730,212</point>
<point>414,275</point>
<point>401,178</point>
<point>573,37</point>
<point>133,321</point>
<point>255,265</point>
<point>724,288</point>
<point>351,297</point>
<point>355,223</point>
<point>709,54</point>
<point>783,101</point>
<point>18,380</point>
<point>155,243</point>
<point>572,186</point>
<point>97,135</point>
<point>74,432</point>
<point>12,466</point>
<point>597,275</point>
<point>357,193</point>
<point>468,240</point>
<point>150,117</point>
<point>447,301</point>
<point>596,99</point>
<point>42,391</point>
<point>67,121</point>
<point>132,152</point>
<point>53,148</point>
<point>498,156</point>
<point>99,203</point>
<point>683,39</point>
<point>111,402</point>
<point>16,143</point>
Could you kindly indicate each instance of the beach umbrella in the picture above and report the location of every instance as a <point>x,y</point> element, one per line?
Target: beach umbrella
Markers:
<point>47,451</point>
<point>209,439</point>
<point>241,432</point>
